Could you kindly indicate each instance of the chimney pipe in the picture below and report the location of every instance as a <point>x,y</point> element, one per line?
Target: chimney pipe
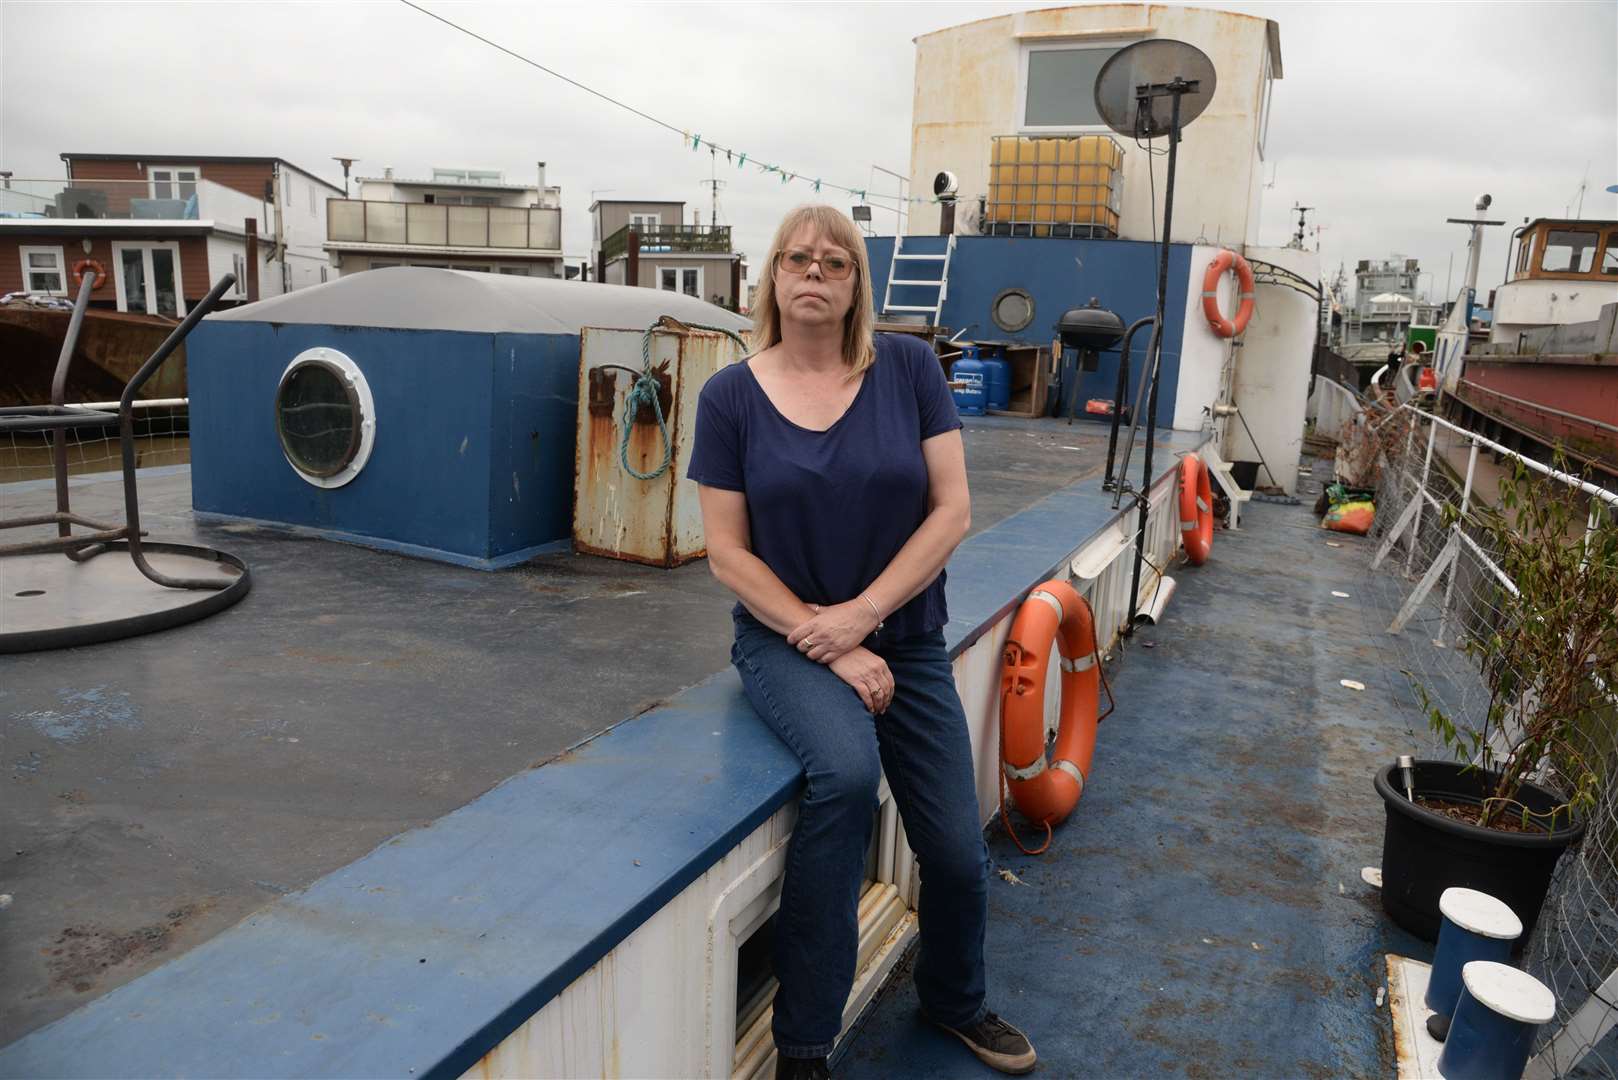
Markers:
<point>540,183</point>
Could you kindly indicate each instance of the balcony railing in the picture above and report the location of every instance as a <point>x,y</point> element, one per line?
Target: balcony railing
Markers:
<point>667,238</point>
<point>139,200</point>
<point>367,221</point>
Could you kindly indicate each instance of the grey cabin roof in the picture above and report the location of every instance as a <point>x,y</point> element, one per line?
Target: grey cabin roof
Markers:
<point>424,298</point>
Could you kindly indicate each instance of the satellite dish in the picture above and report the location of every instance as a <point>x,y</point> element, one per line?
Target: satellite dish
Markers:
<point>1147,69</point>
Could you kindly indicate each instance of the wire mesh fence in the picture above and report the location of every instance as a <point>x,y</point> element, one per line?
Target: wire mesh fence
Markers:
<point>162,437</point>
<point>1439,581</point>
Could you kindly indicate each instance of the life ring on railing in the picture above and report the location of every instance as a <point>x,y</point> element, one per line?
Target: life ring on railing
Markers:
<point>90,264</point>
<point>1196,509</point>
<point>1046,789</point>
<point>1210,294</point>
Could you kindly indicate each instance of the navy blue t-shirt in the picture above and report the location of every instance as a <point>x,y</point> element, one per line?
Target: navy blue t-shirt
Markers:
<point>828,510</point>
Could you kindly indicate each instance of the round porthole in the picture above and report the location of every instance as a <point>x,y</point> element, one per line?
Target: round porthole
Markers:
<point>324,417</point>
<point>1012,310</point>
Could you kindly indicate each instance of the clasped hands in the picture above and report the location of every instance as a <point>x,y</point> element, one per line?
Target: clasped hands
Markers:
<point>833,636</point>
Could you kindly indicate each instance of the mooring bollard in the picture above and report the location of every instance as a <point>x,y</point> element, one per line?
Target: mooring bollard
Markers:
<point>1495,1020</point>
<point>1474,926</point>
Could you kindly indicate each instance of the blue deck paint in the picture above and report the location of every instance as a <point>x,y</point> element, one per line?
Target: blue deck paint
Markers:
<point>474,453</point>
<point>1058,274</point>
<point>419,958</point>
<point>1231,798</point>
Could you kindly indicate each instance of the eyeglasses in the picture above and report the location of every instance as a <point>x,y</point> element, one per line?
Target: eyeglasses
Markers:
<point>798,261</point>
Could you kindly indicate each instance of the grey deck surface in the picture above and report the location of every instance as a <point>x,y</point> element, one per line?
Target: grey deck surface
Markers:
<point>1201,914</point>
<point>159,789</point>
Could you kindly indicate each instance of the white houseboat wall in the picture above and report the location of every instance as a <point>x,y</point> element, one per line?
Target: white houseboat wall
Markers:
<point>1026,77</point>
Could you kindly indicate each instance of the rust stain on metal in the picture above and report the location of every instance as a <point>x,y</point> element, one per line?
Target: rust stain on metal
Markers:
<point>602,392</point>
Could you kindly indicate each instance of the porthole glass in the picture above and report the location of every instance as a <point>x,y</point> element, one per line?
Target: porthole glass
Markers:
<point>1012,310</point>
<point>324,417</point>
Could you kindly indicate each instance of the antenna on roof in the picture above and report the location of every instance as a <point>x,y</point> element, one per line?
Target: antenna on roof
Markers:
<point>345,162</point>
<point>1297,239</point>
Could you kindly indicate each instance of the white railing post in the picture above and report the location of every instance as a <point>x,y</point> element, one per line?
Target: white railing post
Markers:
<point>1449,583</point>
<point>1421,487</point>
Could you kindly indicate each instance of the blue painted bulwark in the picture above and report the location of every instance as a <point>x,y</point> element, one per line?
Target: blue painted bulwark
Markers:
<point>1059,274</point>
<point>419,958</point>
<point>474,441</point>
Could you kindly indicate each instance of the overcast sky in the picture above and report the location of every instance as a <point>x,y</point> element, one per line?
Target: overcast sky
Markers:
<point>1390,117</point>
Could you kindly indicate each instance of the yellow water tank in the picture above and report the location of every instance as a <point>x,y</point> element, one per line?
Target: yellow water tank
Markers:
<point>1054,186</point>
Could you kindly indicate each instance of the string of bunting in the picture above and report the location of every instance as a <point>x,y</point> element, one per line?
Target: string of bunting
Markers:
<point>696,141</point>
<point>739,159</point>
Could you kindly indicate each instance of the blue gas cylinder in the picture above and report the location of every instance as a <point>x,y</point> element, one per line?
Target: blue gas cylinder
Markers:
<point>998,375</point>
<point>971,383</point>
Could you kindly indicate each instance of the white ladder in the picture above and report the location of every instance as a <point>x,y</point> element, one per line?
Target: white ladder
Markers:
<point>1219,469</point>
<point>941,283</point>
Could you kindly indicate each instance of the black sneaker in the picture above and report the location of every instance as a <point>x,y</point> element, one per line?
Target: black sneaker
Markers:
<point>997,1044</point>
<point>790,1068</point>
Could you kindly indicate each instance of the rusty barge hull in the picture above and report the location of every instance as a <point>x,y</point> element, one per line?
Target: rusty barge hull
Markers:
<point>1554,388</point>
<point>112,346</point>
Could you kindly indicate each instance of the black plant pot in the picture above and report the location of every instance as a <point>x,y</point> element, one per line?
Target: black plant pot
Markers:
<point>1424,852</point>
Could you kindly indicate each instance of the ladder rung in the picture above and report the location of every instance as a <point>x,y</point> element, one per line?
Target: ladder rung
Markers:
<point>934,258</point>
<point>909,307</point>
<point>935,282</point>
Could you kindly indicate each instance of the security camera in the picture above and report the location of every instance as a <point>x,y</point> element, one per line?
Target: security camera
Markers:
<point>945,185</point>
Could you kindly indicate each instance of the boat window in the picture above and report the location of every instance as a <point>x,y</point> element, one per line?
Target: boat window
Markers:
<point>1609,258</point>
<point>324,417</point>
<point>1012,310</point>
<point>1061,84</point>
<point>1525,245</point>
<point>44,270</point>
<point>1570,251</point>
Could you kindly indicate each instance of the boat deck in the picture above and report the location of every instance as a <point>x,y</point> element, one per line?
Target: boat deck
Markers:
<point>160,789</point>
<point>1202,914</point>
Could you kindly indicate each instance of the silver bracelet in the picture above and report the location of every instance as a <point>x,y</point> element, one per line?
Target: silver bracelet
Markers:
<point>868,600</point>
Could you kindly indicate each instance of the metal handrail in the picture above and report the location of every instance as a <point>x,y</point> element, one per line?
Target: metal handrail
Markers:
<point>1585,486</point>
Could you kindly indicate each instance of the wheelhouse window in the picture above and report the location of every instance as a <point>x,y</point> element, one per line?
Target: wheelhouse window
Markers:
<point>44,270</point>
<point>1569,251</point>
<point>1059,86</point>
<point>1609,257</point>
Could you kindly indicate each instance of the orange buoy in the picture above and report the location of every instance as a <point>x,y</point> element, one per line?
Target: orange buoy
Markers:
<point>1196,509</point>
<point>94,265</point>
<point>1045,789</point>
<point>1210,294</point>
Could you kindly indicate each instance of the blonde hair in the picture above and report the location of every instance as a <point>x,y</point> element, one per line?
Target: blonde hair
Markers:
<point>859,347</point>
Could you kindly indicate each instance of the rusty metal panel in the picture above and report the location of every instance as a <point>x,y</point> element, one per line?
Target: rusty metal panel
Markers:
<point>616,514</point>
<point>703,353</point>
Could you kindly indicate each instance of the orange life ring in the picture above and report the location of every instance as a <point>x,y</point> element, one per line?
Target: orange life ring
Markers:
<point>1210,294</point>
<point>90,264</point>
<point>1196,509</point>
<point>1046,789</point>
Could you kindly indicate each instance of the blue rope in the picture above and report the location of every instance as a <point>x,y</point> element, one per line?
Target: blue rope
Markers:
<point>646,391</point>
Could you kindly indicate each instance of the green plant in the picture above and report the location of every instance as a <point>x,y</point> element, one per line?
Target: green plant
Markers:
<point>1548,651</point>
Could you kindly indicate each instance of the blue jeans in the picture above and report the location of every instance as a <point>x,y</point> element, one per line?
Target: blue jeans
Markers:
<point>921,744</point>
